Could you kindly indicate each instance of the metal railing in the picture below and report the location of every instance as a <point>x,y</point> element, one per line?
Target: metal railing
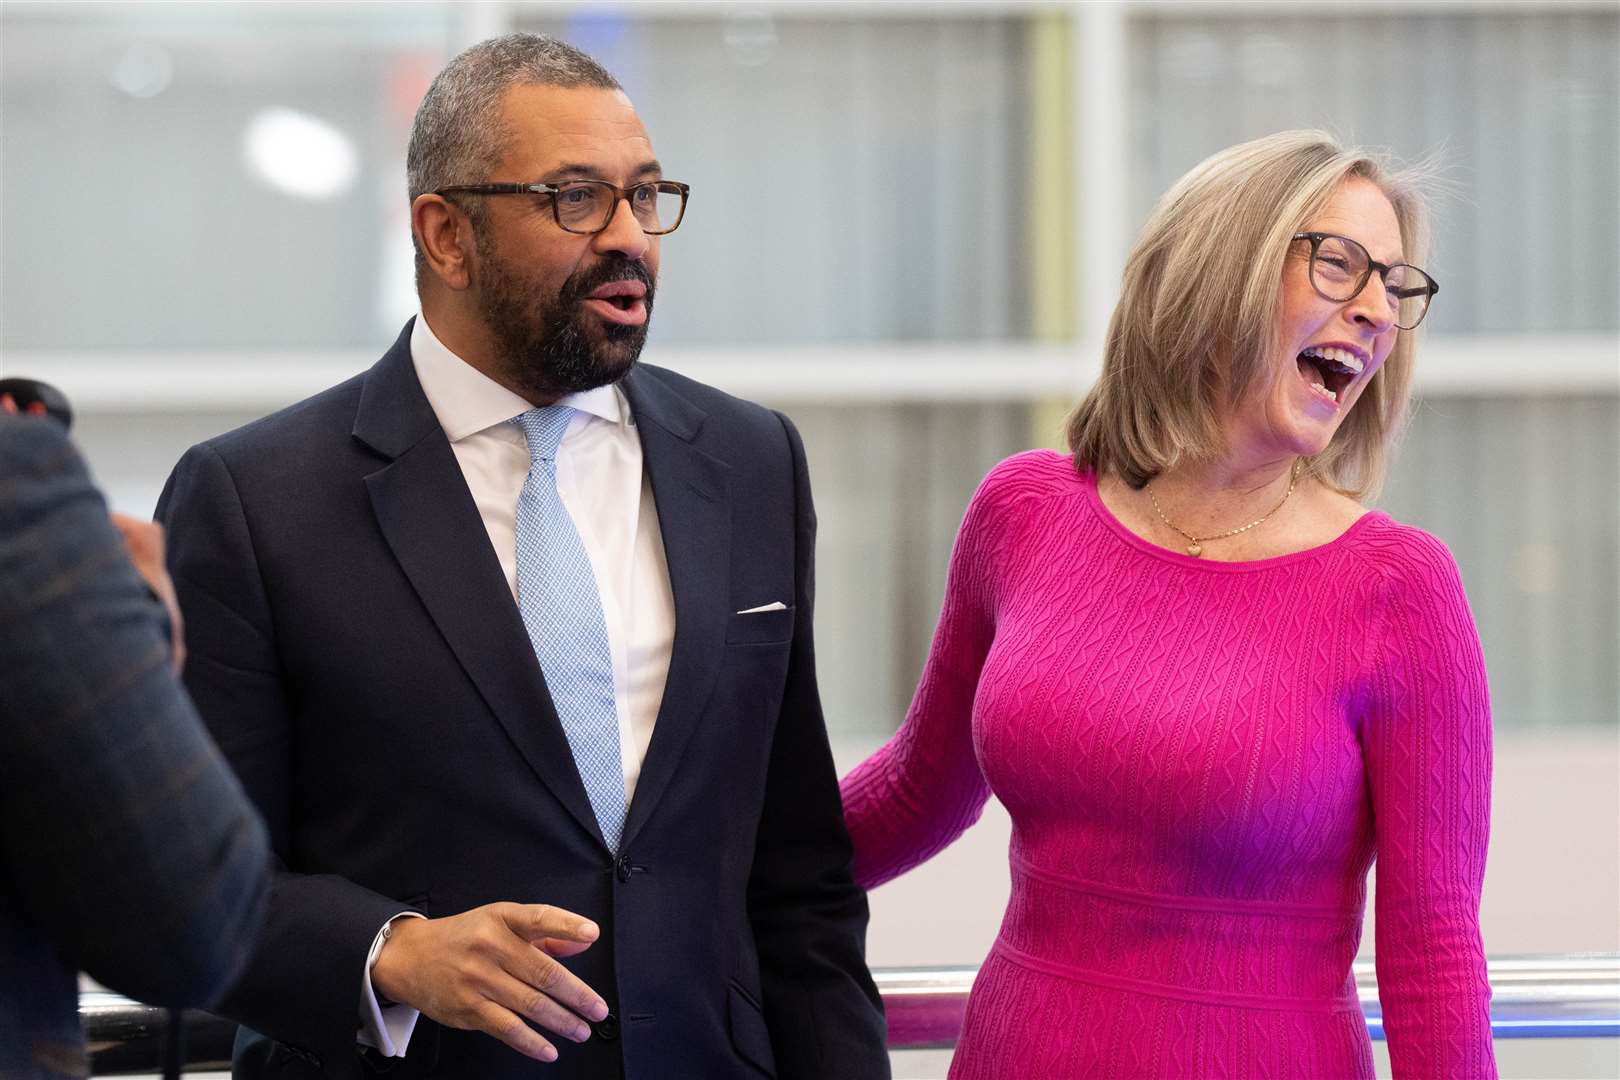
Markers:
<point>1532,997</point>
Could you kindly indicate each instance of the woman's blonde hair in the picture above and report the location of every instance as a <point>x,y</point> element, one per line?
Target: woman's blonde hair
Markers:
<point>1197,315</point>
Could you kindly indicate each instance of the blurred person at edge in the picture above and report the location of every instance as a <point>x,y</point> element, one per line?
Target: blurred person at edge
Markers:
<point>1207,683</point>
<point>127,848</point>
<point>558,698</point>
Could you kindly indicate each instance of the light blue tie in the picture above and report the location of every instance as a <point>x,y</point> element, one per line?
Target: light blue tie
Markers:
<point>562,610</point>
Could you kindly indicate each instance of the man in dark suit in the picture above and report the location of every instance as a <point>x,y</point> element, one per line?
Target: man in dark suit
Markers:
<point>513,634</point>
<point>127,848</point>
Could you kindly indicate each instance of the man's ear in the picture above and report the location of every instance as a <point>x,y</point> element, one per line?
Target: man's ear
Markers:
<point>445,236</point>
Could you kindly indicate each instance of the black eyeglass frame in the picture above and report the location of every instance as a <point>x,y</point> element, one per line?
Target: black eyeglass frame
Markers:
<point>1431,289</point>
<point>620,194</point>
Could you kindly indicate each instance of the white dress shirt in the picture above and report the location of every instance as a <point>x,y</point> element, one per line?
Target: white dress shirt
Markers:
<point>602,484</point>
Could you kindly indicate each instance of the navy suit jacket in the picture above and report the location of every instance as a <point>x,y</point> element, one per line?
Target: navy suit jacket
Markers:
<point>127,848</point>
<point>358,654</point>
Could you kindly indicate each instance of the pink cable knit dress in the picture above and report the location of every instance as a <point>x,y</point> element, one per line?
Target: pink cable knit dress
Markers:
<point>1200,760</point>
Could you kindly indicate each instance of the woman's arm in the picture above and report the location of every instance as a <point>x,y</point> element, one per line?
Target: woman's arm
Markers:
<point>920,791</point>
<point>1428,747</point>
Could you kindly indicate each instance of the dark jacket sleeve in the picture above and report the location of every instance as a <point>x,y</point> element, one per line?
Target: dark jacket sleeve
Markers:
<point>809,917</point>
<point>122,831</point>
<point>302,983</point>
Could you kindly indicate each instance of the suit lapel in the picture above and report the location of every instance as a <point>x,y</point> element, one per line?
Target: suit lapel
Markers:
<point>429,520</point>
<point>692,494</point>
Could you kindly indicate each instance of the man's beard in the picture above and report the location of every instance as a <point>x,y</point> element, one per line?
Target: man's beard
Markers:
<point>542,345</point>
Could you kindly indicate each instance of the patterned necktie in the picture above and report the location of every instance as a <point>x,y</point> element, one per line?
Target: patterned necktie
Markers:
<point>562,610</point>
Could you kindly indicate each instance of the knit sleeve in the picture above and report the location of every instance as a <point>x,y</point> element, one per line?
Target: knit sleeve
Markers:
<point>909,800</point>
<point>1427,739</point>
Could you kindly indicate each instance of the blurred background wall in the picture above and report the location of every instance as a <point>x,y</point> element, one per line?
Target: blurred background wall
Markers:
<point>906,229</point>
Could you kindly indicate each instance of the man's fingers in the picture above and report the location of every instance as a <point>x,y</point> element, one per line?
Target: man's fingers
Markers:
<point>561,985</point>
<point>144,541</point>
<point>8,404</point>
<point>535,922</point>
<point>558,947</point>
<point>535,969</point>
<point>143,538</point>
<point>542,922</point>
<point>508,1027</point>
<point>539,1007</point>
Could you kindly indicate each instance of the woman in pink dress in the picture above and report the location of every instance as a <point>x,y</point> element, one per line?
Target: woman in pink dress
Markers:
<point>1209,685</point>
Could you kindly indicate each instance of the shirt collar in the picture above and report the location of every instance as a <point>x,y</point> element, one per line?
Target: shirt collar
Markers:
<point>466,401</point>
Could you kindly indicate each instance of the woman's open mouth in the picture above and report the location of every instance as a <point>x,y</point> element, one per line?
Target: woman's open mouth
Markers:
<point>1329,369</point>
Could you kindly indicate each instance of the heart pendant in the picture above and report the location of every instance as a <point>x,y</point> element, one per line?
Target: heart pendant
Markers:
<point>1195,549</point>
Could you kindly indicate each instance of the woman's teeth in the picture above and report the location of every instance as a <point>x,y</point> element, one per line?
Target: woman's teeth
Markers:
<point>1343,358</point>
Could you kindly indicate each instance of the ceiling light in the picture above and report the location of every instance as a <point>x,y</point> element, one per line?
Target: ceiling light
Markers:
<point>300,154</point>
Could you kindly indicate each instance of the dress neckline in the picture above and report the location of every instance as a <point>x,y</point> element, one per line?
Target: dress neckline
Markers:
<point>1088,483</point>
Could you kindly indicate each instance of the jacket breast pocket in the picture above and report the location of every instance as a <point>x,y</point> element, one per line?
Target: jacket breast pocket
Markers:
<point>760,627</point>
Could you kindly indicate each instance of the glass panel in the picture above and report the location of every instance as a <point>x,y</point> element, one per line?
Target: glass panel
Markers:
<point>188,176</point>
<point>891,485</point>
<point>232,175</point>
<point>1523,492</point>
<point>853,178</point>
<point>1521,108</point>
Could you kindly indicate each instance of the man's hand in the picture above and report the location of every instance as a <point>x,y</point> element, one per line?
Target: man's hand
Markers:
<point>8,404</point>
<point>491,968</point>
<point>144,540</point>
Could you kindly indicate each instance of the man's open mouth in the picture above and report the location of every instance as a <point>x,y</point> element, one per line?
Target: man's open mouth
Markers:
<point>623,294</point>
<point>1329,369</point>
<point>624,302</point>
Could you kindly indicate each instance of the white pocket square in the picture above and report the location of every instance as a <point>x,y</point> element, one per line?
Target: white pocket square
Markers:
<point>775,605</point>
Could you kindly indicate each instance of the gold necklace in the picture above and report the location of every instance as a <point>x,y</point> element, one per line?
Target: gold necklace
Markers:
<point>1195,547</point>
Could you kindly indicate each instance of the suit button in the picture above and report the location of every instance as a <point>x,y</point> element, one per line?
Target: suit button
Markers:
<point>622,868</point>
<point>607,1028</point>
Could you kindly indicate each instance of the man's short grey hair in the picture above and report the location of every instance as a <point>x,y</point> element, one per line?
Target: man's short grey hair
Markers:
<point>457,137</point>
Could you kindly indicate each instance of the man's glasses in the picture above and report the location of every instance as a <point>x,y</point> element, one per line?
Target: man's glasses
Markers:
<point>1340,268</point>
<point>587,206</point>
